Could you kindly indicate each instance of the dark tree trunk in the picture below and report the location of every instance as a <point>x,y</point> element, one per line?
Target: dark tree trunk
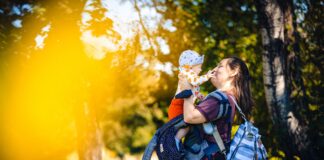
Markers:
<point>65,15</point>
<point>280,70</point>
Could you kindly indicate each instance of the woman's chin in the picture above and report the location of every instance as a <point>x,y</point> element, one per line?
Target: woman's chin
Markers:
<point>213,81</point>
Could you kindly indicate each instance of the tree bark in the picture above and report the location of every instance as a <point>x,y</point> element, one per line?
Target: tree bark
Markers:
<point>68,12</point>
<point>278,34</point>
<point>89,134</point>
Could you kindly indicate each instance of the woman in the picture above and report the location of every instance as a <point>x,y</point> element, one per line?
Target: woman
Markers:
<point>231,76</point>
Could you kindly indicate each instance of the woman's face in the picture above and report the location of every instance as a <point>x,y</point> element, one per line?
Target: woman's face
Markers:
<point>223,74</point>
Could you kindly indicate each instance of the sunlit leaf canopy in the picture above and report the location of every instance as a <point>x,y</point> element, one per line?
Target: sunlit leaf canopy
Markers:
<point>70,67</point>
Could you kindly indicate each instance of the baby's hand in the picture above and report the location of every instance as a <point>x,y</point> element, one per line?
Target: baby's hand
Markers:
<point>210,74</point>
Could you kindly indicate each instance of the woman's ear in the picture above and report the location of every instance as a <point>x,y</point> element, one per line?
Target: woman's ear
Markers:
<point>234,73</point>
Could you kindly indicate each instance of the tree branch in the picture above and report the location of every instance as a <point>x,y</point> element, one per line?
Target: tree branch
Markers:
<point>148,36</point>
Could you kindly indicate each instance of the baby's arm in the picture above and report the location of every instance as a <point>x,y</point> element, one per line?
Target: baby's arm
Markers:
<point>194,79</point>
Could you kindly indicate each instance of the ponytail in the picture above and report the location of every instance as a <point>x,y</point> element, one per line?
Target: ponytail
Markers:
<point>242,85</point>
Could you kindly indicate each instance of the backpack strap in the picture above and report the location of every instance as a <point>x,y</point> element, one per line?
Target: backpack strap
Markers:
<point>238,108</point>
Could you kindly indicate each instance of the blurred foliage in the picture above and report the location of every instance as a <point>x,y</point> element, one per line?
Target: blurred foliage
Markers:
<point>129,95</point>
<point>311,45</point>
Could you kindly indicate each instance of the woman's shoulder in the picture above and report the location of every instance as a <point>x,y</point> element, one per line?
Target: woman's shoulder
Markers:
<point>208,107</point>
<point>212,109</point>
<point>209,100</point>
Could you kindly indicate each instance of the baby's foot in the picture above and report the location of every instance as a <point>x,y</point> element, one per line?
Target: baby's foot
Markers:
<point>184,94</point>
<point>182,133</point>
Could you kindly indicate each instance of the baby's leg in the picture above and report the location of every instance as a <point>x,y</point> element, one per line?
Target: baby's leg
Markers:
<point>184,94</point>
<point>180,134</point>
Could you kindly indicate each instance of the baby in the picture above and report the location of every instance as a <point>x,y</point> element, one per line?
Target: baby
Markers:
<point>190,63</point>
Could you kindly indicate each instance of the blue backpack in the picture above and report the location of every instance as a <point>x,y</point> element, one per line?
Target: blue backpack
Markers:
<point>246,144</point>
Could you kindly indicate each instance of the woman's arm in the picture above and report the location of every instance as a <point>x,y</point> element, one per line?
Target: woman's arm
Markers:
<point>190,113</point>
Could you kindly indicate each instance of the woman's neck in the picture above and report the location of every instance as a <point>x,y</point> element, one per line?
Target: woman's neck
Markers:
<point>228,88</point>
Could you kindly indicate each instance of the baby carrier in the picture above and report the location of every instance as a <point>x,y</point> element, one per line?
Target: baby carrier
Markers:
<point>164,143</point>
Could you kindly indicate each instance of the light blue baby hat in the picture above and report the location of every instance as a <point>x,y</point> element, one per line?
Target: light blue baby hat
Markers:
<point>190,57</point>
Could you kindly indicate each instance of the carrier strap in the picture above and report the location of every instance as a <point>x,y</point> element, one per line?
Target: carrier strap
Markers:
<point>219,140</point>
<point>223,100</point>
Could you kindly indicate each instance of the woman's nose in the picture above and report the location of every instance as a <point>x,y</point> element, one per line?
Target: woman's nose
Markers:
<point>214,71</point>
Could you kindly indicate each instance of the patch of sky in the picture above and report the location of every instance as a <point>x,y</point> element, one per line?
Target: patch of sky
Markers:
<point>139,59</point>
<point>42,36</point>
<point>195,3</point>
<point>145,44</point>
<point>27,8</point>
<point>163,45</point>
<point>125,22</point>
<point>122,14</point>
<point>15,11</point>
<point>177,3</point>
<point>162,8</point>
<point>230,23</point>
<point>244,8</point>
<point>164,67</point>
<point>86,17</point>
<point>39,41</point>
<point>302,6</point>
<point>89,7</point>
<point>151,17</point>
<point>300,18</point>
<point>300,11</point>
<point>88,2</point>
<point>17,23</point>
<point>98,46</point>
<point>19,11</point>
<point>126,19</point>
<point>168,26</point>
<point>46,28</point>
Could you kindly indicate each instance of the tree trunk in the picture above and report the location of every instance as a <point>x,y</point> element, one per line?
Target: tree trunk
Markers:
<point>277,31</point>
<point>65,15</point>
<point>89,134</point>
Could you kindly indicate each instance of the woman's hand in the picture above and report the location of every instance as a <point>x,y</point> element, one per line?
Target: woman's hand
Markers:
<point>200,96</point>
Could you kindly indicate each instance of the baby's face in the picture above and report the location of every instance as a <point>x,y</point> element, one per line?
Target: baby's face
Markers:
<point>196,68</point>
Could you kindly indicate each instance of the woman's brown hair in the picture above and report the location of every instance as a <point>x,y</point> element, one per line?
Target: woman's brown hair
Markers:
<point>242,84</point>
